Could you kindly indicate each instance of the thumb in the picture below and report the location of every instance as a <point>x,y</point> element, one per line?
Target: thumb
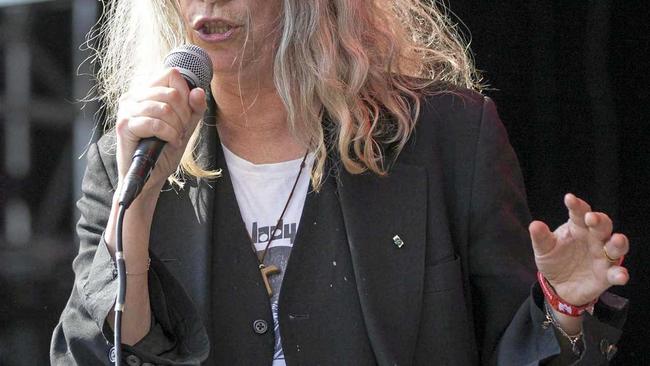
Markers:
<point>197,103</point>
<point>542,238</point>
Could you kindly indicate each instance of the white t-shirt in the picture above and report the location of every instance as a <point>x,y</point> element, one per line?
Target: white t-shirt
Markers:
<point>262,191</point>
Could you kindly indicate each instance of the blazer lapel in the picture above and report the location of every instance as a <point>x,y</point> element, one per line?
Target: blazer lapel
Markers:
<point>389,278</point>
<point>184,245</point>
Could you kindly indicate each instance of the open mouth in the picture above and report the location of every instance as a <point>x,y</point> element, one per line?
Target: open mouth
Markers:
<point>215,27</point>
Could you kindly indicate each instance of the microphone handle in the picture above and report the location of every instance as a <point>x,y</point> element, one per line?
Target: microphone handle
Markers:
<point>144,160</point>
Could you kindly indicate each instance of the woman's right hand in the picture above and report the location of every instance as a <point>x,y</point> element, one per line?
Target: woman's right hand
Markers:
<point>166,109</point>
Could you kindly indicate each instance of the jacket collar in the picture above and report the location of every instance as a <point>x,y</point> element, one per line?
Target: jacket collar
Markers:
<point>193,221</point>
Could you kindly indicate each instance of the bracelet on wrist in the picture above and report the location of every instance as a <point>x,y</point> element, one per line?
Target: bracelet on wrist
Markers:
<point>129,273</point>
<point>552,320</point>
<point>559,304</point>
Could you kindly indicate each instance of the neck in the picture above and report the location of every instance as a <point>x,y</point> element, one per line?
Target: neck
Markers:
<point>252,120</point>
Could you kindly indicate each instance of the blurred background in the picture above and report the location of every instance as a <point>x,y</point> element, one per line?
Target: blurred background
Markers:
<point>570,80</point>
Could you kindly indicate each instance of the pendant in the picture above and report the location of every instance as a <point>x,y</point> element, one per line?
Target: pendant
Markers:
<point>266,272</point>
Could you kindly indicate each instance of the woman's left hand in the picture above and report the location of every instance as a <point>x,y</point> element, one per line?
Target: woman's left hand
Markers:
<point>573,258</point>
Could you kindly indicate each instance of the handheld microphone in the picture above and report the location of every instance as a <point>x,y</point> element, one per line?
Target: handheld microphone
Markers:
<point>195,66</point>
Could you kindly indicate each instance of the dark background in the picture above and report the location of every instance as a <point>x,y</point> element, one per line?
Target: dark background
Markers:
<point>569,77</point>
<point>571,83</point>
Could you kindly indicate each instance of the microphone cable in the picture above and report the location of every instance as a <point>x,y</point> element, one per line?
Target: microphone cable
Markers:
<point>121,289</point>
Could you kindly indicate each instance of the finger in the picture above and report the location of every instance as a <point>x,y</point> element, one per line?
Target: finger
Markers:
<point>198,104</point>
<point>141,127</point>
<point>167,78</point>
<point>577,209</point>
<point>175,98</point>
<point>542,238</point>
<point>599,224</point>
<point>158,110</point>
<point>170,77</point>
<point>189,109</point>
<point>158,93</point>
<point>617,246</point>
<point>176,81</point>
<point>171,97</point>
<point>617,275</point>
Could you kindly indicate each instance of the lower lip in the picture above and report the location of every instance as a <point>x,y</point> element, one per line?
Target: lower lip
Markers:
<point>216,37</point>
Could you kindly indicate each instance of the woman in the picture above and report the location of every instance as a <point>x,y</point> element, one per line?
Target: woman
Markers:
<point>350,129</point>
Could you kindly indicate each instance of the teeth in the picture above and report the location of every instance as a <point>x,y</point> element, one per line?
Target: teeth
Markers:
<point>212,28</point>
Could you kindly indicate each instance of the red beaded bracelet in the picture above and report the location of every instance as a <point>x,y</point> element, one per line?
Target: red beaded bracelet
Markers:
<point>560,304</point>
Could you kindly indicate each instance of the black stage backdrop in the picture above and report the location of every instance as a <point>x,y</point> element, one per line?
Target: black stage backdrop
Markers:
<point>570,80</point>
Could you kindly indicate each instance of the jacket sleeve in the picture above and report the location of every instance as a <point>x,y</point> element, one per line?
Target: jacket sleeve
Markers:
<point>82,336</point>
<point>502,269</point>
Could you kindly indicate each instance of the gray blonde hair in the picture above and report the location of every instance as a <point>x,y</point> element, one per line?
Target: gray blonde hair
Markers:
<point>356,62</point>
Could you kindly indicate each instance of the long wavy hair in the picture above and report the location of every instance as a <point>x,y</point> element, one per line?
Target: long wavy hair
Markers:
<point>356,62</point>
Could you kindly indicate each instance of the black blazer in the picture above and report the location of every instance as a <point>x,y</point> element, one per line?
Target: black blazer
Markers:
<point>457,293</point>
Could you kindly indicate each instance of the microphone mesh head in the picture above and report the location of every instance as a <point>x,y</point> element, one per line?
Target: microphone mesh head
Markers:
<point>193,63</point>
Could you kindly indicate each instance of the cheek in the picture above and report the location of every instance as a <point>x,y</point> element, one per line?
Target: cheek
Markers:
<point>191,36</point>
<point>266,23</point>
<point>184,12</point>
<point>184,8</point>
<point>267,13</point>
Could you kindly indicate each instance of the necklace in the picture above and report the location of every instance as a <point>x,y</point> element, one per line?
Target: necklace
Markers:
<point>269,270</point>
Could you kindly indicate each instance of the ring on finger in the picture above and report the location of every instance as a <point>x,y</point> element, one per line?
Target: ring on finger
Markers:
<point>609,258</point>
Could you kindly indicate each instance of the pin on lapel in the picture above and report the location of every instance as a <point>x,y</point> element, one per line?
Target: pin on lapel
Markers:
<point>398,241</point>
